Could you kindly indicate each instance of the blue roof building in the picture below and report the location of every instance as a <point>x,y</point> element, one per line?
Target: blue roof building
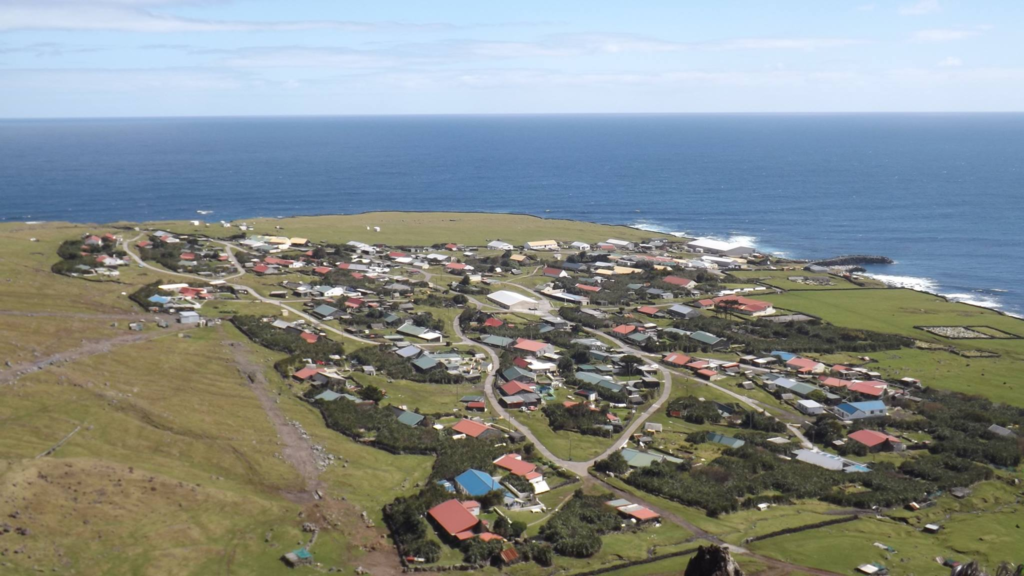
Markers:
<point>859,410</point>
<point>784,356</point>
<point>477,483</point>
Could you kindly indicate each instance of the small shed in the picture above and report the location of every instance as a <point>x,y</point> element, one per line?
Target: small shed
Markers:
<point>300,557</point>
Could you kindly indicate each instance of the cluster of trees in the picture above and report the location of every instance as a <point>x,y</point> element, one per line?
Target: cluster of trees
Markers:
<point>395,366</point>
<point>144,293</point>
<point>694,410</point>
<point>575,315</point>
<point>758,336</point>
<point>405,515</point>
<point>379,424</point>
<point>722,485</point>
<point>74,253</point>
<point>298,350</point>
<point>576,529</point>
<point>579,418</point>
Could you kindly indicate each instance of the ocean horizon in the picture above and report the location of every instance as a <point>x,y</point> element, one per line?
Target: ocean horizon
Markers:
<point>941,194</point>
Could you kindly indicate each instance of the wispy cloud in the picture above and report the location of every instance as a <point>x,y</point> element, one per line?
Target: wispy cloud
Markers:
<point>950,62</point>
<point>947,34</point>
<point>920,8</point>
<point>48,49</point>
<point>150,16</point>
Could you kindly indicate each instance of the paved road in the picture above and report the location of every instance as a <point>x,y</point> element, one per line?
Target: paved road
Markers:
<point>580,468</point>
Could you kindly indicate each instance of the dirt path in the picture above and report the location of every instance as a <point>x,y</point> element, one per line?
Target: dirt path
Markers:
<point>85,350</point>
<point>295,450</point>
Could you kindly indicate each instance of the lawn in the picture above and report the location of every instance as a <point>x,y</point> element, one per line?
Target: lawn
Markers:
<point>426,228</point>
<point>564,444</point>
<point>780,279</point>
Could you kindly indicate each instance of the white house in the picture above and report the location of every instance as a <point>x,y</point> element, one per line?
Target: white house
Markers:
<point>810,407</point>
<point>620,244</point>
<point>582,246</point>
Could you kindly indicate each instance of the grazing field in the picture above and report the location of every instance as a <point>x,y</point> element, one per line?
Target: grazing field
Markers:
<point>780,279</point>
<point>426,228</point>
<point>897,311</point>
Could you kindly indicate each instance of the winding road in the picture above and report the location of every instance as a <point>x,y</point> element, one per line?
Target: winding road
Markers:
<point>580,468</point>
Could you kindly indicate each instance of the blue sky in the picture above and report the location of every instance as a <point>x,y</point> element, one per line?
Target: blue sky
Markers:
<point>87,58</point>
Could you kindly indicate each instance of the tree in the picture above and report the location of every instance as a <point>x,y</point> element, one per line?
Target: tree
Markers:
<point>371,392</point>
<point>615,463</point>
<point>630,362</point>
<point>460,299</point>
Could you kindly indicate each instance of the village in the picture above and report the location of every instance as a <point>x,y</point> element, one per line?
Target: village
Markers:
<point>666,362</point>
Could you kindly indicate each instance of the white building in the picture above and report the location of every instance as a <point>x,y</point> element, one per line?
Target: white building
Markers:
<point>709,246</point>
<point>499,245</point>
<point>512,300</point>
<point>620,244</point>
<point>810,407</point>
<point>582,246</point>
<point>541,245</point>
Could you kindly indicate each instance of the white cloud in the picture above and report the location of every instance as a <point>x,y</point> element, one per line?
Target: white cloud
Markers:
<point>920,8</point>
<point>946,34</point>
<point>950,62</point>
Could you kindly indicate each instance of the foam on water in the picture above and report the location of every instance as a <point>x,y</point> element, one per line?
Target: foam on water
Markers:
<point>912,282</point>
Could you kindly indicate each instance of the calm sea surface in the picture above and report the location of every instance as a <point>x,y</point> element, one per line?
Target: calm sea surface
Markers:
<point>941,194</point>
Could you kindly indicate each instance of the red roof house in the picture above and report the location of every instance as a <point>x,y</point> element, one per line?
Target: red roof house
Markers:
<point>470,428</point>
<point>457,266</point>
<point>309,337</point>
<point>649,310</point>
<point>515,387</point>
<point>872,389</point>
<point>531,346</point>
<point>678,281</point>
<point>624,329</point>
<point>876,440</point>
<point>515,464</point>
<point>493,322</point>
<point>322,270</point>
<point>453,517</point>
<point>588,288</point>
<point>677,359</point>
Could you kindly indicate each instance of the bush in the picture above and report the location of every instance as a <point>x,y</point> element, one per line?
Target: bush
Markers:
<point>575,530</point>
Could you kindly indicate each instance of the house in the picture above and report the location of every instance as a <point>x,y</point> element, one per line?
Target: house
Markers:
<point>682,311</point>
<point>425,363</point>
<point>420,332</point>
<point>810,407</point>
<point>861,410</point>
<point>456,267</point>
<point>189,317</point>
<point>476,483</point>
<point>499,245</point>
<point>620,244</point>
<point>409,352</point>
<point>805,365</point>
<point>709,246</point>
<point>648,310</point>
<point>512,301</point>
<point>475,429</point>
<point>637,459</point>
<point>877,441</point>
<point>581,246</point>
<point>676,359</point>
<point>727,441</point>
<point>409,418</point>
<point>679,281</point>
<point>828,461</point>
<point>541,245</point>
<point>588,288</point>
<point>871,389</point>
<point>552,272</point>
<point>742,305</point>
<point>533,347</point>
<point>515,387</point>
<point>623,329</point>
<point>325,312</point>
<point>493,322</point>
<point>708,339</point>
<point>497,341</point>
<point>516,373</point>
<point>452,517</point>
<point>515,464</point>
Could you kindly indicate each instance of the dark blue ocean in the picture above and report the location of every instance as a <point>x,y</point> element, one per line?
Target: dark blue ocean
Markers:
<point>941,194</point>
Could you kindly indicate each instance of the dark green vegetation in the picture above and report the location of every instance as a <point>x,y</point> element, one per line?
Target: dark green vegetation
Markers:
<point>298,350</point>
<point>379,427</point>
<point>575,530</point>
<point>76,257</point>
<point>744,477</point>
<point>578,418</point>
<point>814,336</point>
